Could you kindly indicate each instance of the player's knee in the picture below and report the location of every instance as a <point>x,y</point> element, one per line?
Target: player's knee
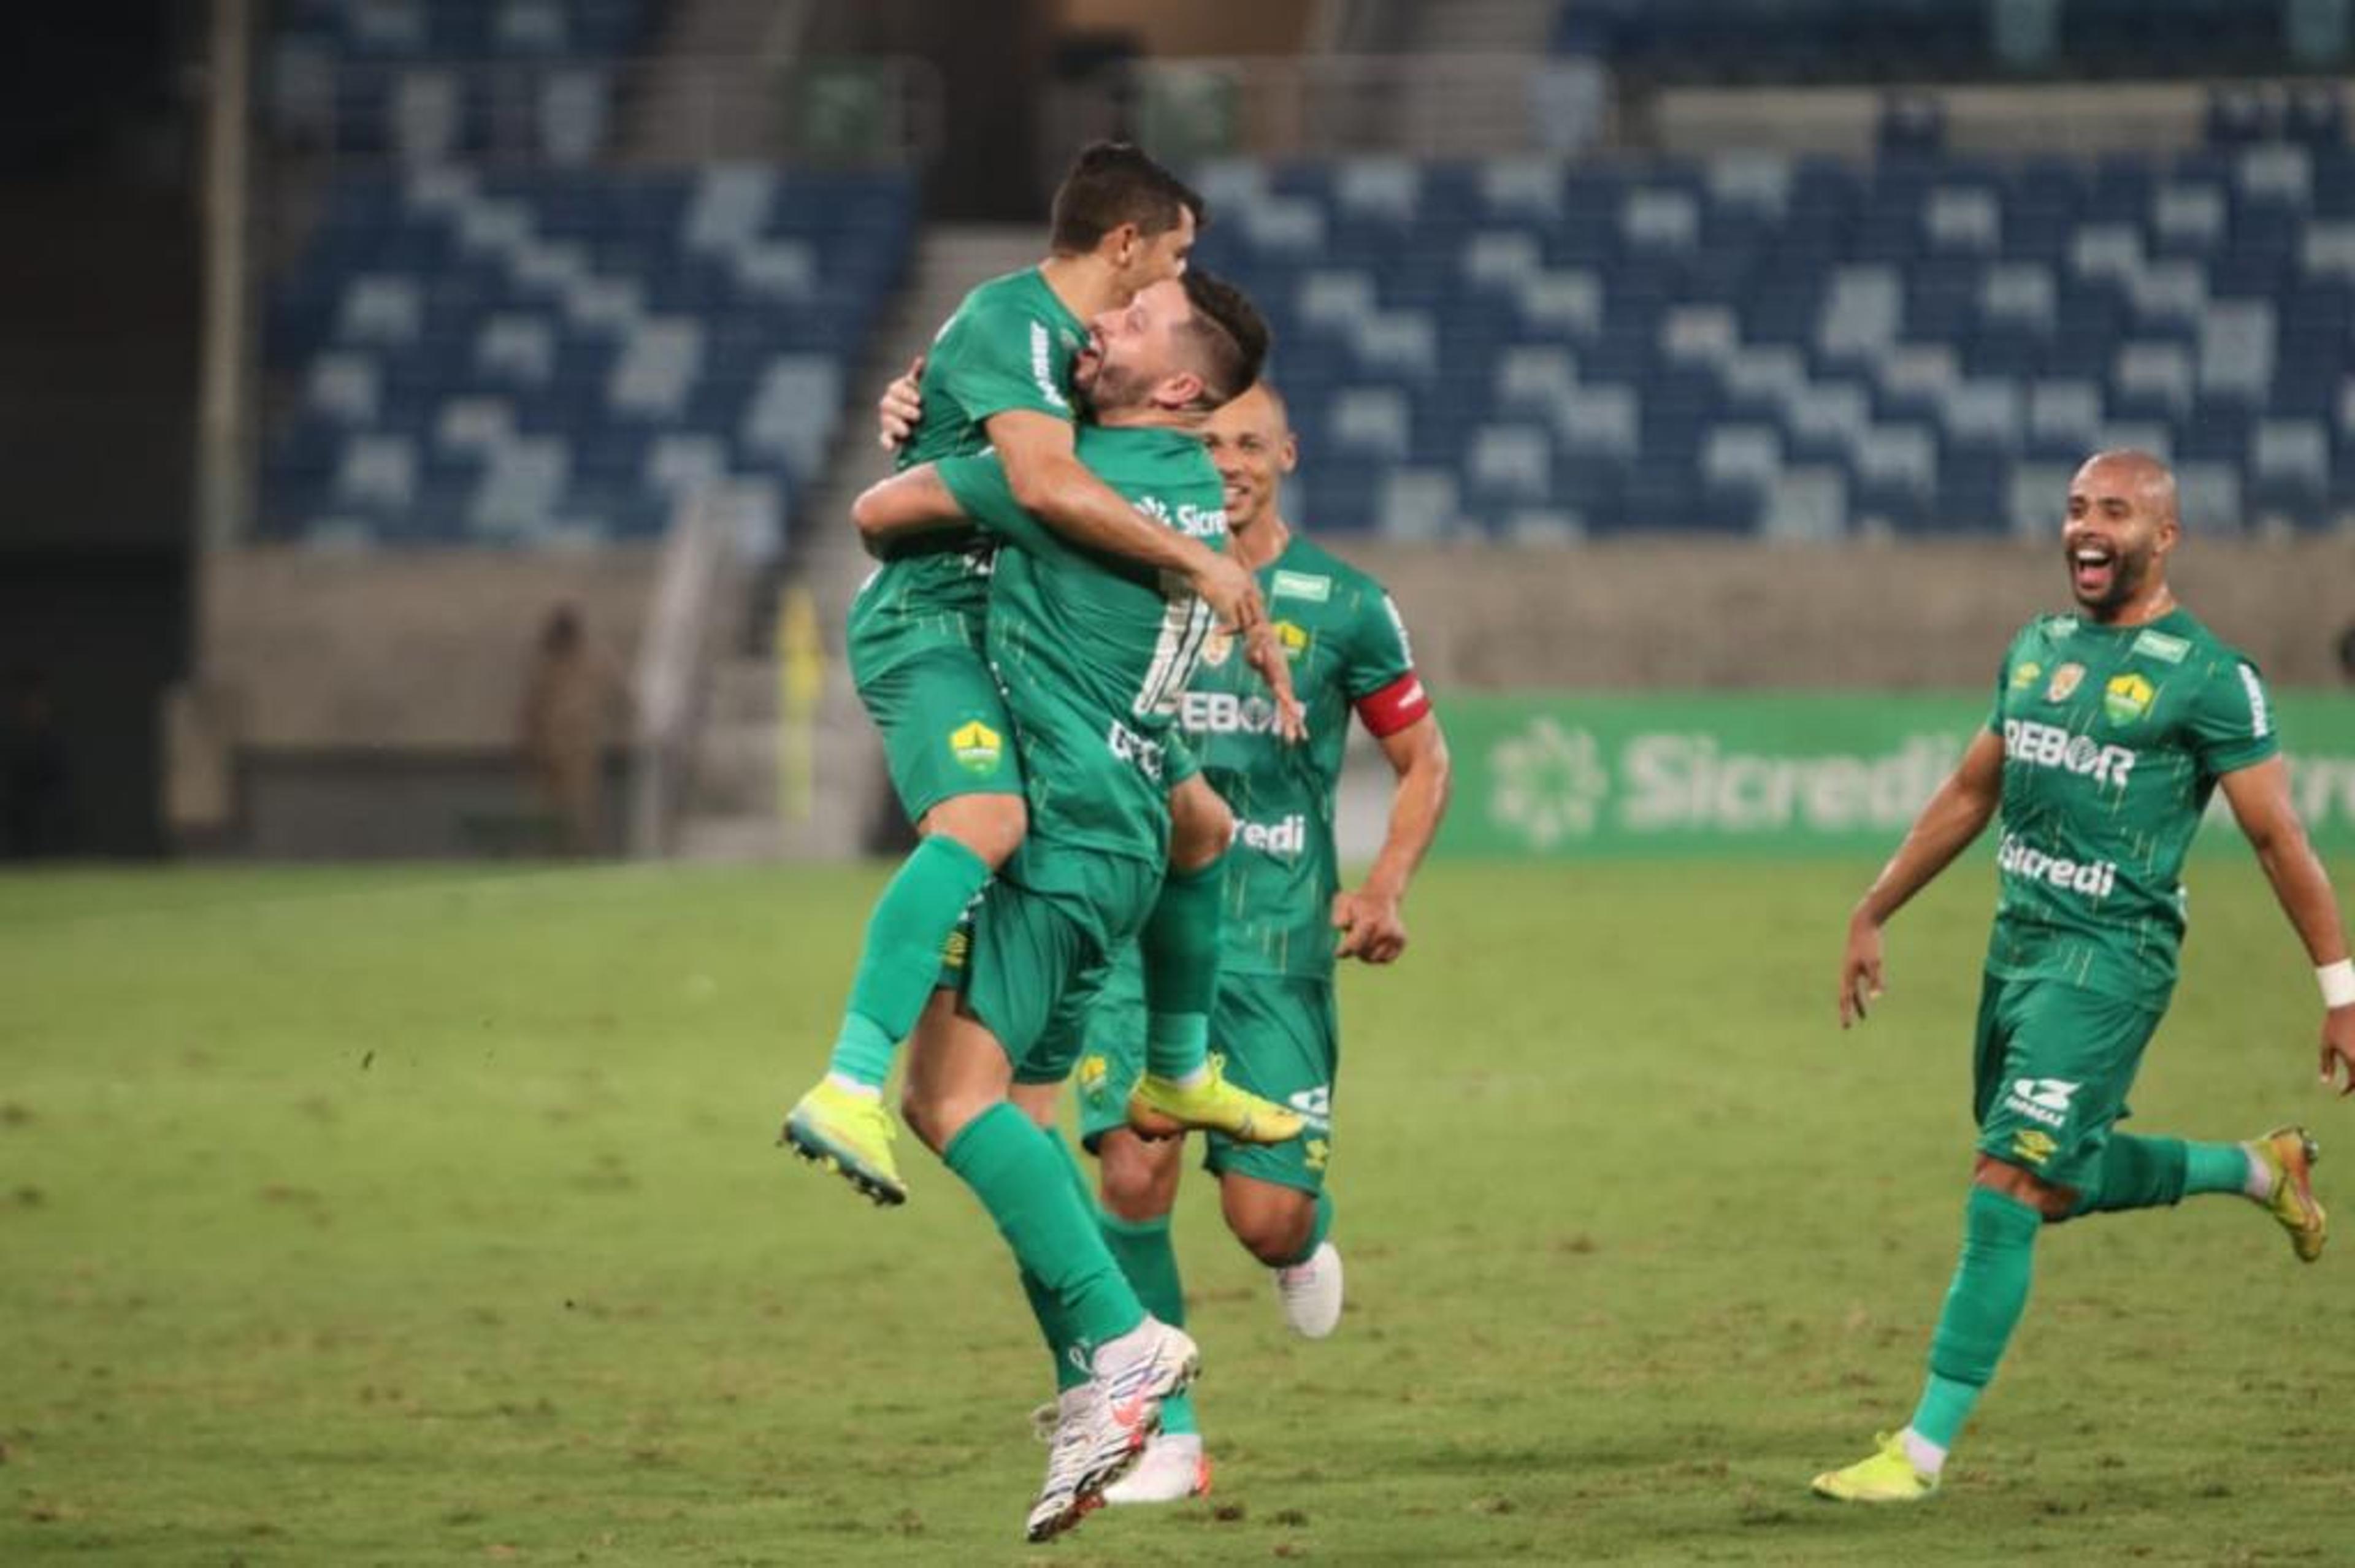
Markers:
<point>991,826</point>
<point>1272,1225</point>
<point>2023,1186</point>
<point>936,1118</point>
<point>1138,1177</point>
<point>1200,826</point>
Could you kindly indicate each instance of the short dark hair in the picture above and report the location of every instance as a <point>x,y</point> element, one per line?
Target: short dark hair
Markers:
<point>1112,183</point>
<point>1226,337</point>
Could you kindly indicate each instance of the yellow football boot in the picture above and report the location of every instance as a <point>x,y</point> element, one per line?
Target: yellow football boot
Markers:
<point>1886,1475</point>
<point>1163,1108</point>
<point>2290,1154</point>
<point>851,1136</point>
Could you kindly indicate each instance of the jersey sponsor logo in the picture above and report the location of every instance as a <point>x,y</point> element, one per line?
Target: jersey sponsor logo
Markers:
<point>2260,720</point>
<point>2043,1099</point>
<point>1042,365</point>
<point>2161,646</point>
<point>2094,879</point>
<point>1287,839</point>
<point>1193,521</point>
<point>1131,747</point>
<point>976,747</point>
<point>2128,697</point>
<point>2025,676</point>
<point>2050,746</point>
<point>1315,1106</point>
<point>2033,1146</point>
<point>2065,681</point>
<point>1306,585</point>
<point>1224,713</point>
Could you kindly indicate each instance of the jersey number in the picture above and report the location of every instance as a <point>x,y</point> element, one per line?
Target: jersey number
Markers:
<point>1185,628</point>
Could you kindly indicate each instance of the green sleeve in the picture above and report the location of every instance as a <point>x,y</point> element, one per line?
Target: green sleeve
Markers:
<point>1001,360</point>
<point>985,495</point>
<point>1379,653</point>
<point>2231,720</point>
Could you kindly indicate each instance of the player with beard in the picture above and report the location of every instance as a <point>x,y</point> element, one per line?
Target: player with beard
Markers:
<point>2111,729</point>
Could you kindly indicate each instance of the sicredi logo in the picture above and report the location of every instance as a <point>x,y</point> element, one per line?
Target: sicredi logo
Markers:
<point>2094,879</point>
<point>2050,746</point>
<point>1286,839</point>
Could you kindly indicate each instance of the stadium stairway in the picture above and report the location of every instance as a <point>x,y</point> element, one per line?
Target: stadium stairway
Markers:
<point>733,810</point>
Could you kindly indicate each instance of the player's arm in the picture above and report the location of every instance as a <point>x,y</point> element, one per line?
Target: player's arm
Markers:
<point>909,502</point>
<point>2259,796</point>
<point>1956,814</point>
<point>1051,484</point>
<point>900,408</point>
<point>1368,917</point>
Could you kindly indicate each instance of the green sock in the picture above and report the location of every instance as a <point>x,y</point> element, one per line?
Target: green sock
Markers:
<point>2142,1173</point>
<point>1064,1346</point>
<point>900,962</point>
<point>1180,947</point>
<point>1318,1229</point>
<point>2215,1168</point>
<point>1012,1167</point>
<point>1983,1307</point>
<point>1144,1251</point>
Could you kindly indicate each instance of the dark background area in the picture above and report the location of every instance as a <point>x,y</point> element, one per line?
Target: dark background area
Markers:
<point>97,374</point>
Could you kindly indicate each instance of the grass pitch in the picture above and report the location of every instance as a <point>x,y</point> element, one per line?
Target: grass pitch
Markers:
<point>426,1217</point>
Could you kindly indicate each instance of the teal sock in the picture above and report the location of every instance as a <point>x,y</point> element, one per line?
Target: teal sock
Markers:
<point>1146,1255</point>
<point>1065,1346</point>
<point>2215,1168</point>
<point>1013,1169</point>
<point>2144,1173</point>
<point>1983,1307</point>
<point>1180,947</point>
<point>1318,1229</point>
<point>900,962</point>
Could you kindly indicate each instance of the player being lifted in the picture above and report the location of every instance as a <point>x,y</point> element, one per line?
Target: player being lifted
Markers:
<point>1287,919</point>
<point>2111,729</point>
<point>999,378</point>
<point>1093,655</point>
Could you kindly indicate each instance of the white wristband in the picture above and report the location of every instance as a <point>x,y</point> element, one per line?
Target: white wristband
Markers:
<point>2337,983</point>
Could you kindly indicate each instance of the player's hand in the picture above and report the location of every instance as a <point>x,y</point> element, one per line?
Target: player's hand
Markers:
<point>1227,587</point>
<point>1372,928</point>
<point>1859,970</point>
<point>900,407</point>
<point>2338,1049</point>
<point>1265,652</point>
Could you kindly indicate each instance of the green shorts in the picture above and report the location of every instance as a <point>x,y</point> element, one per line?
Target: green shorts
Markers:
<point>1282,1040</point>
<point>1041,933</point>
<point>2050,1076</point>
<point>945,726</point>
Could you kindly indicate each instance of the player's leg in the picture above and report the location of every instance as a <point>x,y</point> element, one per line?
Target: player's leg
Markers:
<point>1182,1085</point>
<point>1137,1187</point>
<point>1285,1041</point>
<point>2274,1171</point>
<point>2050,1074</point>
<point>1024,953</point>
<point>949,751</point>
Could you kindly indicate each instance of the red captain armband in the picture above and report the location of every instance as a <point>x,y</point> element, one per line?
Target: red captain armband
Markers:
<point>1395,706</point>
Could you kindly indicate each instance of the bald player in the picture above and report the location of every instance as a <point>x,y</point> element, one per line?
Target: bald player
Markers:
<point>2112,726</point>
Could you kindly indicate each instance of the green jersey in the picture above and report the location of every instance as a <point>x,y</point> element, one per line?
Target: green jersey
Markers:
<point>1009,346</point>
<point>1348,649</point>
<point>1093,650</point>
<point>2114,738</point>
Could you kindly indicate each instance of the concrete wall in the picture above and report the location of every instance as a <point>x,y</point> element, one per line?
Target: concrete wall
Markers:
<point>1618,615</point>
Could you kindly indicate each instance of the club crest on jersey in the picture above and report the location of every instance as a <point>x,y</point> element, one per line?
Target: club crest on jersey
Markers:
<point>2128,698</point>
<point>976,747</point>
<point>1294,640</point>
<point>1217,648</point>
<point>2025,676</point>
<point>2065,681</point>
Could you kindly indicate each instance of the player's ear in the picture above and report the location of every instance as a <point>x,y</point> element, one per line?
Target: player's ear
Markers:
<point>1179,390</point>
<point>1120,245</point>
<point>1287,456</point>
